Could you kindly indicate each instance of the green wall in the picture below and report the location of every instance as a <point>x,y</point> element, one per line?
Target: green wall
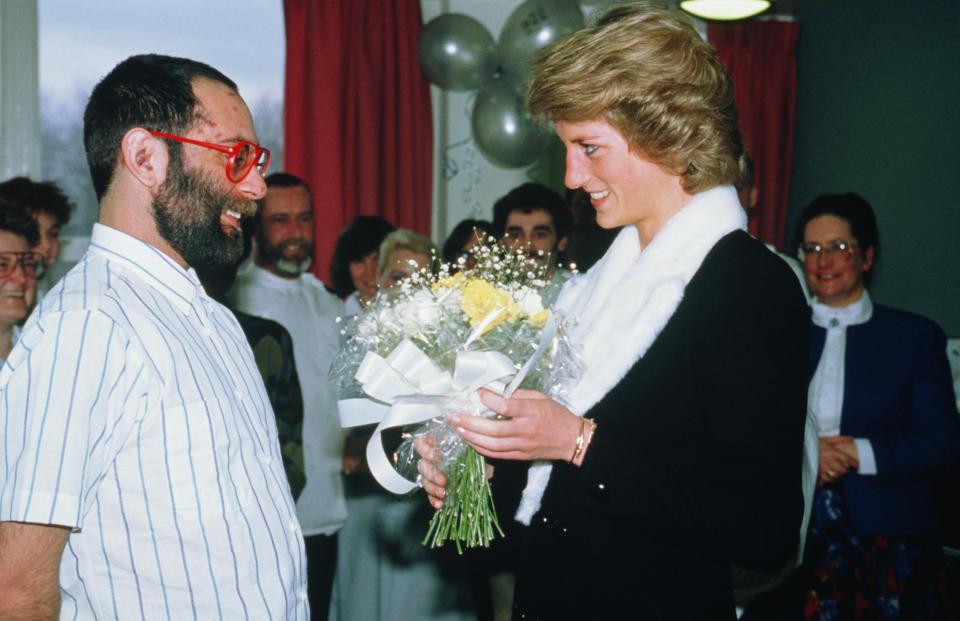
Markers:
<point>878,113</point>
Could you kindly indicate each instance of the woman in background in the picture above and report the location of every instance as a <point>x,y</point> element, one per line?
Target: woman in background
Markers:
<point>384,573</point>
<point>20,267</point>
<point>881,392</point>
<point>401,254</point>
<point>356,261</point>
<point>463,238</point>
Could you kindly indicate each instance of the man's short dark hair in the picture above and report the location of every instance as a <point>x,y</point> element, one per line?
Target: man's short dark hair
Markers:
<point>281,180</point>
<point>528,198</point>
<point>151,91</point>
<point>38,197</point>
<point>17,220</point>
<point>285,180</point>
<point>362,236</point>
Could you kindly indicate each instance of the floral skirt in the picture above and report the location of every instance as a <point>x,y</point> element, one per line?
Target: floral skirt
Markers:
<point>865,577</point>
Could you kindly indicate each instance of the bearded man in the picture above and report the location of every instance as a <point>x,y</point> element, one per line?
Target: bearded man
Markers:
<point>277,285</point>
<point>141,473</point>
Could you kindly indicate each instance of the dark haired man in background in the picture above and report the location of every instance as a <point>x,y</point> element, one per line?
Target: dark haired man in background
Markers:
<point>535,218</point>
<point>141,473</point>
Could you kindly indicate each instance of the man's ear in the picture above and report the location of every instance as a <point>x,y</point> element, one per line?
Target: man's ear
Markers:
<point>562,244</point>
<point>144,157</point>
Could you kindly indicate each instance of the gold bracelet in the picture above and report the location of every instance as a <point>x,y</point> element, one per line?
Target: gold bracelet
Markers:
<point>578,449</point>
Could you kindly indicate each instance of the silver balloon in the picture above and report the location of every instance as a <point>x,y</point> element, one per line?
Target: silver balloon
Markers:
<point>457,53</point>
<point>502,128</point>
<point>532,26</point>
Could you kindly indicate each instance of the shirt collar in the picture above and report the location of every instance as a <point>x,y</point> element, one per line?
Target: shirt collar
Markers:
<point>267,277</point>
<point>856,313</point>
<point>180,286</point>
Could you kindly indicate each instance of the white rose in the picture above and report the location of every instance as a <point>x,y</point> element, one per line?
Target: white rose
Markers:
<point>406,316</point>
<point>530,302</point>
<point>428,315</point>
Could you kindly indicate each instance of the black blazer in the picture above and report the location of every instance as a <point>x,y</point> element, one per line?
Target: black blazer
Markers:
<point>696,461</point>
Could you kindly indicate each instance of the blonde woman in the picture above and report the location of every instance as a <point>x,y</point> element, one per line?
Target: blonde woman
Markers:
<point>679,451</point>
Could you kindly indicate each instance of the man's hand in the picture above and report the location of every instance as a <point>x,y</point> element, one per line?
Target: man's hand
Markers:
<point>355,454</point>
<point>30,570</point>
<point>431,479</point>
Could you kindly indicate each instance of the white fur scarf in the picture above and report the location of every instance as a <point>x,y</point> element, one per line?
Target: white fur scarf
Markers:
<point>616,311</point>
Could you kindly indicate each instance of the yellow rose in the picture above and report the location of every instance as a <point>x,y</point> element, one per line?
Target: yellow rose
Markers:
<point>450,282</point>
<point>538,319</point>
<point>480,299</point>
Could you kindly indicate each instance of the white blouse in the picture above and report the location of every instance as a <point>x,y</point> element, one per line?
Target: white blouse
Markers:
<point>825,396</point>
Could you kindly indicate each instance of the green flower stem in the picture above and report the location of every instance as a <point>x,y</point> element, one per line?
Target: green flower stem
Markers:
<point>468,516</point>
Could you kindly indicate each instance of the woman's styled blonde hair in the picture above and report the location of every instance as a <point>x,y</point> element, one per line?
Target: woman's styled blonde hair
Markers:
<point>645,70</point>
<point>406,239</point>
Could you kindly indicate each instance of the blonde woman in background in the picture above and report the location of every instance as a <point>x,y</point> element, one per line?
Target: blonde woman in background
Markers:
<point>384,573</point>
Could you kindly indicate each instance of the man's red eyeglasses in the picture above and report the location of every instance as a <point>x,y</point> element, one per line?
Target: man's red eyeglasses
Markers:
<point>241,157</point>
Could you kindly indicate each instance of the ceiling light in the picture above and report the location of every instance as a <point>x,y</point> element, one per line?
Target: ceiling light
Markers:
<point>724,9</point>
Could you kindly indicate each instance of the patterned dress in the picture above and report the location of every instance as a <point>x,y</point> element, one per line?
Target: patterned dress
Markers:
<point>864,577</point>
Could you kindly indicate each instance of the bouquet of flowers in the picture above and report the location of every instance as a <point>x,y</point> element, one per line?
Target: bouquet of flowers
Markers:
<point>420,352</point>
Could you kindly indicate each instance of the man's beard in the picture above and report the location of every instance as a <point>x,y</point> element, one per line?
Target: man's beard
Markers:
<point>274,255</point>
<point>187,213</point>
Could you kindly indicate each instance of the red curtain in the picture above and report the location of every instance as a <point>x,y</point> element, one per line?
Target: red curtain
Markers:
<point>760,57</point>
<point>357,114</point>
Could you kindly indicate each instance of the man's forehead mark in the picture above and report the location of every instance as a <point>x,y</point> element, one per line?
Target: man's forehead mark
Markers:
<point>201,116</point>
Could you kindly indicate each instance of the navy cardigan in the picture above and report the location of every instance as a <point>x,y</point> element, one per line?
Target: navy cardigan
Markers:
<point>898,395</point>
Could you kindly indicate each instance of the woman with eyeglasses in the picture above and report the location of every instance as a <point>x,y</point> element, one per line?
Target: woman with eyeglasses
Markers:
<point>19,269</point>
<point>881,392</point>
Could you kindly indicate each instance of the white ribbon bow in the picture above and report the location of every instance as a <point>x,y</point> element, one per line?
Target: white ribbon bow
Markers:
<point>407,387</point>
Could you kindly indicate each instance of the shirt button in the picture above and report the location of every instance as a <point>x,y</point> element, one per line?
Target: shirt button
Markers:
<point>239,394</point>
<point>207,332</point>
<point>598,492</point>
<point>303,595</point>
<point>265,458</point>
<point>294,526</point>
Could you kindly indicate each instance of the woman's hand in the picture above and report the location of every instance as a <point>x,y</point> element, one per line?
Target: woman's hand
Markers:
<point>838,455</point>
<point>536,427</point>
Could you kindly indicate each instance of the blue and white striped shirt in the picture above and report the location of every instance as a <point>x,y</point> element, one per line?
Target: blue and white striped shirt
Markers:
<point>132,411</point>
